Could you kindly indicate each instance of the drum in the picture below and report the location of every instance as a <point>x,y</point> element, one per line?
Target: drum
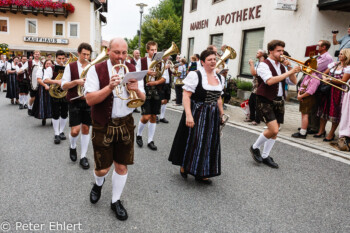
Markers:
<point>33,81</point>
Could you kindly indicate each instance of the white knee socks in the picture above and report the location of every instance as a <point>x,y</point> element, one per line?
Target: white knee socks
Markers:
<point>151,131</point>
<point>62,124</point>
<point>73,141</point>
<point>56,126</point>
<point>118,183</point>
<point>162,111</point>
<point>84,138</point>
<point>267,148</point>
<point>140,128</point>
<point>99,179</point>
<point>261,140</point>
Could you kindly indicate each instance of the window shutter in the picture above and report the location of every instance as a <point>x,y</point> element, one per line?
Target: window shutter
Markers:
<point>253,41</point>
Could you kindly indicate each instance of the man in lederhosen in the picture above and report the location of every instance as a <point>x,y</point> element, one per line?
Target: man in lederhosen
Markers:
<point>272,77</point>
<point>151,107</point>
<point>23,82</point>
<point>59,106</point>
<point>79,111</point>
<point>113,124</point>
<point>31,64</point>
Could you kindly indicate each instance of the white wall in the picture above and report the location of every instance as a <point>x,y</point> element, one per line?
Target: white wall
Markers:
<point>297,29</point>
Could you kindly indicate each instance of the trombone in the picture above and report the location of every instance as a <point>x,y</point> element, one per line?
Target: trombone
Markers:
<point>310,66</point>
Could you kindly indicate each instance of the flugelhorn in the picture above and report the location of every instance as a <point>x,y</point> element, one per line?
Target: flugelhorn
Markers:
<point>310,66</point>
<point>229,53</point>
<point>55,89</point>
<point>135,101</point>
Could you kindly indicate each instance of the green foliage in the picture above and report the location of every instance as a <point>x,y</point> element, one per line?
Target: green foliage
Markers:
<point>132,44</point>
<point>244,85</point>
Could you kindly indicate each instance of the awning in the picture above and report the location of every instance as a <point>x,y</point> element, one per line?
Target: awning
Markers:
<point>334,5</point>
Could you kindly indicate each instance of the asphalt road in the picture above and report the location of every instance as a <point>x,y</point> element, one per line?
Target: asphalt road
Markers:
<point>42,188</point>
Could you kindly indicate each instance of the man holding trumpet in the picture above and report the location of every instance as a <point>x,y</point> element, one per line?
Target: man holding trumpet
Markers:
<point>112,122</point>
<point>272,77</point>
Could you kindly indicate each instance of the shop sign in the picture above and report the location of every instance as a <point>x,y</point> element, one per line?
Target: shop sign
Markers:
<point>290,5</point>
<point>250,13</point>
<point>45,40</point>
<point>199,25</point>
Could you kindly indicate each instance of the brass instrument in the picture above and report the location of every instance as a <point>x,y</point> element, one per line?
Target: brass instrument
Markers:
<point>310,66</point>
<point>225,119</point>
<point>100,58</point>
<point>156,66</point>
<point>135,101</point>
<point>229,53</point>
<point>55,89</point>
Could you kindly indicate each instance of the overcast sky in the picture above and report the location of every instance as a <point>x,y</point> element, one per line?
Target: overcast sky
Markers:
<point>123,18</point>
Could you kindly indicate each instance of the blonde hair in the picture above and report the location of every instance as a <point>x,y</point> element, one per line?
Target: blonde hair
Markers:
<point>346,53</point>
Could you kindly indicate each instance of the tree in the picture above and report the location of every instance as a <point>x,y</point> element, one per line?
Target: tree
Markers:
<point>132,44</point>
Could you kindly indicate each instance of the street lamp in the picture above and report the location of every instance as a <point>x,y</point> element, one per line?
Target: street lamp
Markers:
<point>141,5</point>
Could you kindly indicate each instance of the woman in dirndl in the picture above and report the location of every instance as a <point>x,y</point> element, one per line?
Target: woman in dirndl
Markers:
<point>42,103</point>
<point>196,147</point>
<point>12,86</point>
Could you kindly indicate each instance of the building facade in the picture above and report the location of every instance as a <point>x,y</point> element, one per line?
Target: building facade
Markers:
<point>26,28</point>
<point>248,26</point>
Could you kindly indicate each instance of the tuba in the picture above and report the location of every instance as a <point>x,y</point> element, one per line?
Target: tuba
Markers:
<point>229,53</point>
<point>55,89</point>
<point>135,101</point>
<point>156,66</point>
<point>100,58</point>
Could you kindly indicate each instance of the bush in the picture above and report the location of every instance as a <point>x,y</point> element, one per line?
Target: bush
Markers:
<point>244,85</point>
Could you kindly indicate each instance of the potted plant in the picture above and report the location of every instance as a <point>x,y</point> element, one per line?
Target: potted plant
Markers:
<point>244,89</point>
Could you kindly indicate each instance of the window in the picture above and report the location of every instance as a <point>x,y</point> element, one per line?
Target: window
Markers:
<point>216,40</point>
<point>32,27</point>
<point>190,48</point>
<point>194,5</point>
<point>4,25</point>
<point>253,41</point>
<point>73,29</point>
<point>58,28</point>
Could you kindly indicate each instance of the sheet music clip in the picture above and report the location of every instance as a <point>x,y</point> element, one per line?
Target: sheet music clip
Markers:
<point>157,56</point>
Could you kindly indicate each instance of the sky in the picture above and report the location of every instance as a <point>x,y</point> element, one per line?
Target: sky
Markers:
<point>123,18</point>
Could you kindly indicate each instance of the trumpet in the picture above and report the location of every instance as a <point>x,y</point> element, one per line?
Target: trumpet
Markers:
<point>310,66</point>
<point>135,101</point>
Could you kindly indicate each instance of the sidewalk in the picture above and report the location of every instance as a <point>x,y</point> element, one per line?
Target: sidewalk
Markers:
<point>292,121</point>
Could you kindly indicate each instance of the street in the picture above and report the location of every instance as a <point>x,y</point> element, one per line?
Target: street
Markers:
<point>41,186</point>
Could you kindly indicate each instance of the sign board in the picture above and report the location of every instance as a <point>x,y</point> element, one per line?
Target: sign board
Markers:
<point>290,5</point>
<point>45,40</point>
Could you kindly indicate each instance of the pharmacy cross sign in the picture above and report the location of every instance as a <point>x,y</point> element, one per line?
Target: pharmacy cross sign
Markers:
<point>45,40</point>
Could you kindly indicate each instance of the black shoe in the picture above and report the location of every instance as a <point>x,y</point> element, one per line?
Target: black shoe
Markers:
<point>136,110</point>
<point>152,146</point>
<point>299,135</point>
<point>329,140</point>
<point>30,112</point>
<point>311,131</point>
<point>269,162</point>
<point>43,122</point>
<point>95,193</point>
<point>12,102</point>
<point>119,210</point>
<point>320,135</point>
<point>203,181</point>
<point>157,120</point>
<point>57,139</point>
<point>139,141</point>
<point>25,106</point>
<point>183,174</point>
<point>73,154</point>
<point>164,120</point>
<point>21,106</point>
<point>256,154</point>
<point>62,136</point>
<point>84,163</point>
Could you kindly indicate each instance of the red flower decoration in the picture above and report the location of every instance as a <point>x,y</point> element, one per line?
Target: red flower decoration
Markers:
<point>39,4</point>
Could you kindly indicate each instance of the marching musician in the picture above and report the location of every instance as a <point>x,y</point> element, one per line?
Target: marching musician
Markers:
<point>272,77</point>
<point>12,92</point>
<point>166,92</point>
<point>31,64</point>
<point>3,67</point>
<point>59,105</point>
<point>113,124</point>
<point>151,107</point>
<point>79,111</point>
<point>23,82</point>
<point>135,60</point>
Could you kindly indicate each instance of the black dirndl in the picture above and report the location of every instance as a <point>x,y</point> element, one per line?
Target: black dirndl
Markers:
<point>198,149</point>
<point>42,104</point>
<point>12,87</point>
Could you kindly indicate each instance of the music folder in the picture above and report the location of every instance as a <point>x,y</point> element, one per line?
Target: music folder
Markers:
<point>59,68</point>
<point>134,75</point>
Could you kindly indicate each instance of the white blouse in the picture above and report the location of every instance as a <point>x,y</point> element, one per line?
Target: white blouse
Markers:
<point>191,82</point>
<point>332,65</point>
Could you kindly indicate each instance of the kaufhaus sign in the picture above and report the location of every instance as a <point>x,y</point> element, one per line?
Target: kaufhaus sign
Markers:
<point>45,40</point>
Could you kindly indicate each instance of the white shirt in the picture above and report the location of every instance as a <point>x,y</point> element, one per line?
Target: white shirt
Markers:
<point>48,73</point>
<point>92,84</point>
<point>138,65</point>
<point>265,73</point>
<point>39,73</point>
<point>37,63</point>
<point>20,69</point>
<point>67,75</point>
<point>3,65</point>
<point>199,64</point>
<point>166,76</point>
<point>191,82</point>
